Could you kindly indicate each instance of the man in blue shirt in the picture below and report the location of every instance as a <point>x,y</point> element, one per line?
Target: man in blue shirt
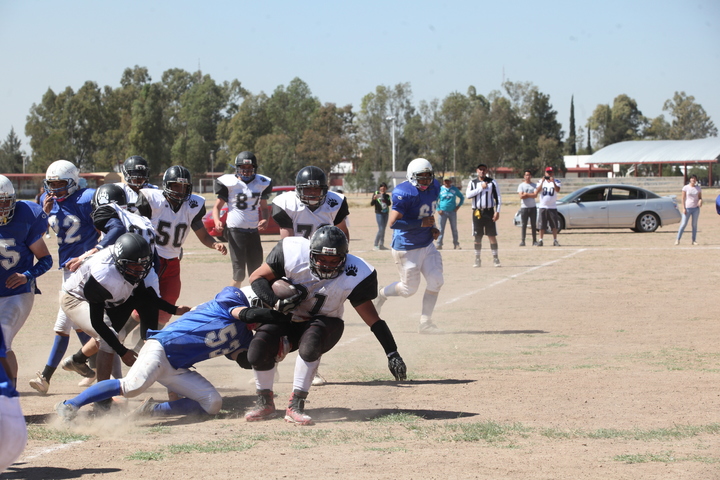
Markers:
<point>413,226</point>
<point>447,209</point>
<point>218,327</point>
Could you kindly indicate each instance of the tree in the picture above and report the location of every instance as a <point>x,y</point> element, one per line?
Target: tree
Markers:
<point>571,148</point>
<point>623,122</point>
<point>538,132</point>
<point>149,135</point>
<point>11,157</point>
<point>329,139</point>
<point>243,130</point>
<point>689,118</point>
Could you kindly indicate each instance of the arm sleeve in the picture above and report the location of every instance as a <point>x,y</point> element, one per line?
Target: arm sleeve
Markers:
<point>221,191</point>
<point>342,213</point>
<point>267,192</point>
<point>365,290</point>
<point>197,222</point>
<point>143,206</point>
<point>113,228</point>
<point>96,295</point>
<point>41,266</point>
<point>281,217</point>
<point>496,194</point>
<point>276,260</point>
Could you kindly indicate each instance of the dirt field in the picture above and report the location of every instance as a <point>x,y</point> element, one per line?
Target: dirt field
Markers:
<point>597,359</point>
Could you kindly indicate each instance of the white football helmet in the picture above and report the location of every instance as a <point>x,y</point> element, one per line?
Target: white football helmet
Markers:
<point>7,200</point>
<point>420,167</point>
<point>61,170</point>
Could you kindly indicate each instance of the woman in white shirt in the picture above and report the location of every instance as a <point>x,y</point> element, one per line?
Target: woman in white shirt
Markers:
<point>691,203</point>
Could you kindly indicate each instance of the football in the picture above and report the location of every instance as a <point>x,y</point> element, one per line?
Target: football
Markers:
<point>283,289</point>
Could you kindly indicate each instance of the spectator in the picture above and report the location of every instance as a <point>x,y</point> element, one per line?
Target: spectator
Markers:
<point>447,209</point>
<point>528,209</point>
<point>548,188</point>
<point>691,203</point>
<point>381,201</point>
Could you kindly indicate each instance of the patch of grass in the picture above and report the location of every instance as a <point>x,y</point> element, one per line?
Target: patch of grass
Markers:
<point>210,447</point>
<point>144,456</point>
<point>586,366</point>
<point>556,345</point>
<point>399,417</point>
<point>386,450</point>
<point>41,433</point>
<point>486,431</point>
<point>160,429</point>
<point>663,457</point>
<point>679,359</point>
<point>676,432</point>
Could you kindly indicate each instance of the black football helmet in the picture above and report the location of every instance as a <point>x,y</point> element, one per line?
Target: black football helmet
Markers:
<point>311,177</point>
<point>246,166</point>
<point>328,241</point>
<point>177,175</point>
<point>107,194</point>
<point>133,257</point>
<point>136,172</point>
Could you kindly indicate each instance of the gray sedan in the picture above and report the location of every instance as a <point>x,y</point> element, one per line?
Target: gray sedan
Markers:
<point>616,206</point>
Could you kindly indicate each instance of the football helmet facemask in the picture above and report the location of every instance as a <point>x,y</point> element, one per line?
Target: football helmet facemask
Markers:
<point>311,178</point>
<point>420,173</point>
<point>62,171</point>
<point>328,252</point>
<point>136,172</point>
<point>246,166</point>
<point>177,184</point>
<point>7,200</point>
<point>133,257</point>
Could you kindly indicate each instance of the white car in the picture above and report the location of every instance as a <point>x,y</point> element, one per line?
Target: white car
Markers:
<point>615,206</point>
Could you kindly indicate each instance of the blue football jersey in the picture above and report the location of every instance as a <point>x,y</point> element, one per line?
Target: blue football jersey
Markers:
<point>414,204</point>
<point>71,219</point>
<point>27,226</point>
<point>7,389</point>
<point>208,331</point>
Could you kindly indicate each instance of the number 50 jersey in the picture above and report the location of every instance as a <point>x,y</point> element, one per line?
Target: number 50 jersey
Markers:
<point>171,228</point>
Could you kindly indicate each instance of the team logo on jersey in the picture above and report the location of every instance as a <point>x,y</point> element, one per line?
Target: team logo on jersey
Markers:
<point>332,202</point>
<point>193,204</point>
<point>351,271</point>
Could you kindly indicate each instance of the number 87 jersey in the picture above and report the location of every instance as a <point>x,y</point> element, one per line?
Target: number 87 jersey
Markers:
<point>243,199</point>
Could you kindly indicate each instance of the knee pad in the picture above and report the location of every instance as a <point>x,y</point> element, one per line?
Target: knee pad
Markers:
<point>311,344</point>
<point>262,351</point>
<point>212,403</point>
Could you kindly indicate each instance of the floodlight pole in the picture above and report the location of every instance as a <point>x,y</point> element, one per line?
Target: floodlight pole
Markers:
<point>392,119</point>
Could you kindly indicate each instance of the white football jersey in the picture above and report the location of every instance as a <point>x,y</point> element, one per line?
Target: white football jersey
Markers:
<point>304,220</point>
<point>172,228</point>
<point>102,267</point>
<point>325,297</point>
<point>243,199</point>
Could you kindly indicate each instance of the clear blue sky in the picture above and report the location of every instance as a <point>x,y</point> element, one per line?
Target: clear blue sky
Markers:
<point>343,50</point>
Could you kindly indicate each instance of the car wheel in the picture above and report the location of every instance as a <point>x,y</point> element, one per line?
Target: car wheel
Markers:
<point>647,222</point>
<point>561,223</point>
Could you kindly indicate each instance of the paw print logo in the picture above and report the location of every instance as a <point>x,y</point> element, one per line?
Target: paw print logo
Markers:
<point>351,271</point>
<point>193,204</point>
<point>332,202</point>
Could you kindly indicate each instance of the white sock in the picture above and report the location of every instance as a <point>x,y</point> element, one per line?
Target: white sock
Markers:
<point>304,373</point>
<point>428,305</point>
<point>264,378</point>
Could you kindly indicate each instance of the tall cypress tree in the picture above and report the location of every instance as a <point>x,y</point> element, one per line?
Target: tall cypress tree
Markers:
<point>571,147</point>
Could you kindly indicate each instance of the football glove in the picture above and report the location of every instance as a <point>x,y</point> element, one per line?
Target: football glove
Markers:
<point>397,366</point>
<point>287,305</point>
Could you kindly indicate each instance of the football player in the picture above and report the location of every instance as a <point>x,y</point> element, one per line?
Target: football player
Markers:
<point>246,193</point>
<point>69,211</point>
<point>310,206</point>
<point>173,211</point>
<point>13,431</point>
<point>325,275</point>
<point>136,173</point>
<point>415,254</point>
<point>22,226</point>
<point>215,328</point>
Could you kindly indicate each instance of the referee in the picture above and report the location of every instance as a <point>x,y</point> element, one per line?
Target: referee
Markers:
<point>484,193</point>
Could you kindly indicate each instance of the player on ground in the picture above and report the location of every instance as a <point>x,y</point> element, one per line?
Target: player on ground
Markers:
<point>413,250</point>
<point>246,193</point>
<point>173,211</point>
<point>22,226</point>
<point>326,275</point>
<point>69,211</point>
<point>215,328</point>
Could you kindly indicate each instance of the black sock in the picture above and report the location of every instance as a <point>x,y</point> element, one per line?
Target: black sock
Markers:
<point>48,372</point>
<point>80,357</point>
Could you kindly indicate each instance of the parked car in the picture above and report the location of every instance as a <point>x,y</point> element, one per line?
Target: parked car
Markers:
<point>615,206</point>
<point>272,227</point>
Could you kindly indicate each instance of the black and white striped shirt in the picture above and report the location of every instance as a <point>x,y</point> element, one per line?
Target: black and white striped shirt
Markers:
<point>487,197</point>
